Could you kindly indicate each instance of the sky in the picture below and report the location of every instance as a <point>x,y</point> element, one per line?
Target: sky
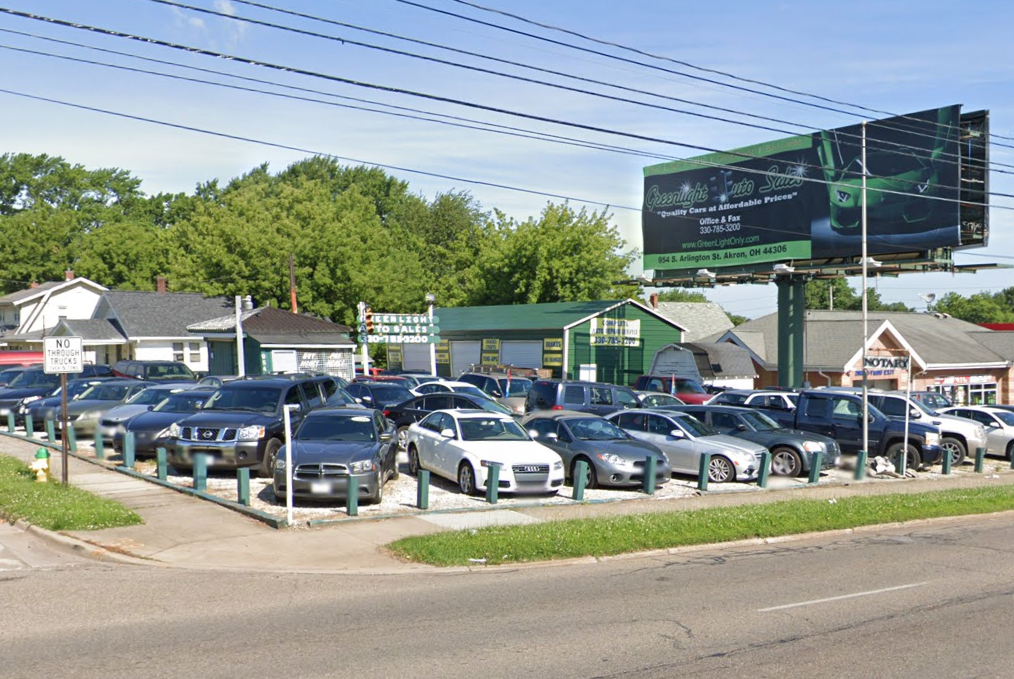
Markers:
<point>175,134</point>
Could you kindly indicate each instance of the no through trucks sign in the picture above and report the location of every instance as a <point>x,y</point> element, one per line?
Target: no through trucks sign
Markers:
<point>62,355</point>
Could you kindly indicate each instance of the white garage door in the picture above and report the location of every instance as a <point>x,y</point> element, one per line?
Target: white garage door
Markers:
<point>463,356</point>
<point>522,354</point>
<point>415,357</point>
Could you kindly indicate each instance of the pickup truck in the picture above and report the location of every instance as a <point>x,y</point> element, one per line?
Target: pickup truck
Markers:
<point>840,416</point>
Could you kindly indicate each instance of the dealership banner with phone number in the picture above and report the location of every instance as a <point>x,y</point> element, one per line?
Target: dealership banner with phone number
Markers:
<point>801,198</point>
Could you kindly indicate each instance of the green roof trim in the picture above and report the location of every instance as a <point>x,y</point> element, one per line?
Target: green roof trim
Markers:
<point>551,316</point>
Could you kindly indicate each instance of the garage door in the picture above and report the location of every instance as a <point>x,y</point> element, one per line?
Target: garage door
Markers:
<point>463,355</point>
<point>522,354</point>
<point>415,357</point>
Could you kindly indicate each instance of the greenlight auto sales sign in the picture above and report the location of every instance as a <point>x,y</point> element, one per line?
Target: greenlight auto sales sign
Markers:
<point>800,198</point>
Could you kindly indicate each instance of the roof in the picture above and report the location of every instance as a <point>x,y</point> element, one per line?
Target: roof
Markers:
<point>162,314</point>
<point>92,331</point>
<point>701,319</point>
<point>832,338</point>
<point>551,316</point>
<point>22,296</point>
<point>721,360</point>
<point>270,325</point>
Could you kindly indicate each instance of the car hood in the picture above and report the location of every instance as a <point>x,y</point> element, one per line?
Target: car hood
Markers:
<point>725,441</point>
<point>630,449</point>
<point>153,420</point>
<point>15,394</point>
<point>511,452</point>
<point>341,452</point>
<point>78,407</point>
<point>124,412</point>
<point>228,418</point>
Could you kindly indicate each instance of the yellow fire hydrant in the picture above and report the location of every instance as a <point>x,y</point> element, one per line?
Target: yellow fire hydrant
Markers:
<point>41,465</point>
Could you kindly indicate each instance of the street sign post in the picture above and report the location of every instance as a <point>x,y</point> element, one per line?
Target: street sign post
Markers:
<point>62,355</point>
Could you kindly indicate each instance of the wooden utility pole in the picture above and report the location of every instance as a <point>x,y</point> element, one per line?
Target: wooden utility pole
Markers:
<point>292,284</point>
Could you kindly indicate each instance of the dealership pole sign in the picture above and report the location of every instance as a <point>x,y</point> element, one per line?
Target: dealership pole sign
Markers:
<point>381,328</point>
<point>800,198</point>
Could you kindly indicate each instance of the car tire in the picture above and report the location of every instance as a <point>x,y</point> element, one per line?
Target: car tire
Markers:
<point>267,468</point>
<point>721,470</point>
<point>378,497</point>
<point>786,462</point>
<point>1010,450</point>
<point>955,448</point>
<point>912,458</point>
<point>413,461</point>
<point>466,479</point>
<point>591,479</point>
<point>395,471</point>
<point>402,438</point>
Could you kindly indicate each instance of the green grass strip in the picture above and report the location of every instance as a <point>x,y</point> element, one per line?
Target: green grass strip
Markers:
<point>633,533</point>
<point>54,506</point>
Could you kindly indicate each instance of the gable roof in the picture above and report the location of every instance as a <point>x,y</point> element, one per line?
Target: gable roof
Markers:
<point>701,319</point>
<point>22,296</point>
<point>270,325</point>
<point>548,316</point>
<point>159,314</point>
<point>721,360</point>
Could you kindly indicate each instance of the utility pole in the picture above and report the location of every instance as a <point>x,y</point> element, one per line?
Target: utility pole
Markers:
<point>292,284</point>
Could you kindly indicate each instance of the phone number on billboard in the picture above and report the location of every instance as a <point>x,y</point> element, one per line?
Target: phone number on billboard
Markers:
<point>720,228</point>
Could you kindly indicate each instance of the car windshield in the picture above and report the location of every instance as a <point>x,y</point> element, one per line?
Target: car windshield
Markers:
<point>183,402</point>
<point>695,426</point>
<point>657,400</point>
<point>334,427</point>
<point>520,386</point>
<point>148,397</point>
<point>263,400</point>
<point>341,398</point>
<point>106,392</point>
<point>923,407</point>
<point>595,429</point>
<point>34,378</point>
<point>726,397</point>
<point>8,375</point>
<point>760,421</point>
<point>1005,416</point>
<point>492,406</point>
<point>168,371</point>
<point>470,389</point>
<point>491,429</point>
<point>390,393</point>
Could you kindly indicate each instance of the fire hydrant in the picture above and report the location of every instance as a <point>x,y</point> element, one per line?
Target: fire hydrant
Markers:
<point>41,465</point>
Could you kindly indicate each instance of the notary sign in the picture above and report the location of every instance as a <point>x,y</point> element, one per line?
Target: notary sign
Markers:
<point>886,362</point>
<point>62,355</point>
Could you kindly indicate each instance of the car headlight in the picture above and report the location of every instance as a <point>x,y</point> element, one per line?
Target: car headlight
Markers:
<point>981,431</point>
<point>172,431</point>
<point>812,446</point>
<point>251,433</point>
<point>612,459</point>
<point>280,463</point>
<point>29,399</point>
<point>558,465</point>
<point>932,439</point>
<point>362,467</point>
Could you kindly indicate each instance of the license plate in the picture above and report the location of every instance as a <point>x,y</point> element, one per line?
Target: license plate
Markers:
<point>320,487</point>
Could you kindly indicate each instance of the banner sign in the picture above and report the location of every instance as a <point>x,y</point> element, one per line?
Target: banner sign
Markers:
<point>615,332</point>
<point>552,344</point>
<point>888,362</point>
<point>552,360</point>
<point>801,198</point>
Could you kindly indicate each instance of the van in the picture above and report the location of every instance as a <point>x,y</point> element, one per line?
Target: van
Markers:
<point>599,398</point>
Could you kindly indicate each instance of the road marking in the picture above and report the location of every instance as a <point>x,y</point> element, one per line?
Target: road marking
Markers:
<point>839,598</point>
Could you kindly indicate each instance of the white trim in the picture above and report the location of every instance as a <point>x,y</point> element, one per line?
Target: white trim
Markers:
<point>642,307</point>
<point>308,346</point>
<point>966,366</point>
<point>56,288</point>
<point>730,337</point>
<point>884,327</point>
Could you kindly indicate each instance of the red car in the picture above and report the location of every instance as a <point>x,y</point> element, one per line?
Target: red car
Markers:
<point>687,390</point>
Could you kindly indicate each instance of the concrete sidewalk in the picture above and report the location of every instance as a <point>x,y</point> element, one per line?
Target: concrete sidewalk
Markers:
<point>186,532</point>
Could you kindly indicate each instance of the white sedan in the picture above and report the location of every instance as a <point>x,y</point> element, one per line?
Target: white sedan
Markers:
<point>447,387</point>
<point>461,445</point>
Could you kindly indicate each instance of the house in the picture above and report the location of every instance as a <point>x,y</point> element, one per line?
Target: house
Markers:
<point>276,341</point>
<point>42,305</point>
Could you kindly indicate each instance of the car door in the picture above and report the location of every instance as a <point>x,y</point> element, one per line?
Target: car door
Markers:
<point>681,450</point>
<point>847,423</point>
<point>426,441</point>
<point>574,398</point>
<point>294,397</point>
<point>601,400</point>
<point>445,450</point>
<point>996,435</point>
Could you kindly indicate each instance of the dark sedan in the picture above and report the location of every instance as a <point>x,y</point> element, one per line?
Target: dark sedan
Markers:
<point>378,394</point>
<point>332,445</point>
<point>413,410</point>
<point>791,449</point>
<point>152,427</point>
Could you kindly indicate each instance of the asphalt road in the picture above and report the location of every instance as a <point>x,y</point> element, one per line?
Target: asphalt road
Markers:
<point>929,600</point>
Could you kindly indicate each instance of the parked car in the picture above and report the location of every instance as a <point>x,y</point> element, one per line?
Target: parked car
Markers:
<point>8,374</point>
<point>447,387</point>
<point>44,408</point>
<point>656,399</point>
<point>405,413</point>
<point>686,389</point>
<point>333,445</point>
<point>154,371</point>
<point>507,389</point>
<point>614,458</point>
<point>933,400</point>
<point>29,384</point>
<point>243,423</point>
<point>998,423</point>
<point>587,397</point>
<point>791,450</point>
<point>378,394</point>
<point>460,445</point>
<point>113,420</point>
<point>756,398</point>
<point>85,411</point>
<point>215,381</point>
<point>685,439</point>
<point>151,428</point>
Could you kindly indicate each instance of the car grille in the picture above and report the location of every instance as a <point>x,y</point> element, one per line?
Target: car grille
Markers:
<point>306,472</point>
<point>207,434</point>
<point>531,474</point>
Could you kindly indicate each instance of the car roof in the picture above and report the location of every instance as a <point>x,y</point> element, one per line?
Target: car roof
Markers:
<point>711,407</point>
<point>340,410</point>
<point>470,413</point>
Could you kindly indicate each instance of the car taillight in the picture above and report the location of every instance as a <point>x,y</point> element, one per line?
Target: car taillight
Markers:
<point>387,413</point>
<point>557,408</point>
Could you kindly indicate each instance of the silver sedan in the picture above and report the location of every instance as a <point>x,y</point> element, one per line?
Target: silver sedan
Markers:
<point>999,424</point>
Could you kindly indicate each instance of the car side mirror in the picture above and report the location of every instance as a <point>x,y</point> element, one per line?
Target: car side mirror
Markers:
<point>677,434</point>
<point>447,433</point>
<point>497,393</point>
<point>914,413</point>
<point>151,407</point>
<point>386,436</point>
<point>741,427</point>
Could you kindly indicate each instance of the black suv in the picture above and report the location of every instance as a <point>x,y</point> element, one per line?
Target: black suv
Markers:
<point>243,425</point>
<point>156,371</point>
<point>587,397</point>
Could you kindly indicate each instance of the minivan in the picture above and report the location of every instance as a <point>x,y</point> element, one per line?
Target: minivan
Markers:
<point>599,398</point>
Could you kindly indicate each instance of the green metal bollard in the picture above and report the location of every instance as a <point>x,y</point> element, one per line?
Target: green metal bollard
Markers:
<point>945,463</point>
<point>72,438</point>
<point>128,451</point>
<point>648,485</point>
<point>422,490</point>
<point>10,423</point>
<point>493,483</point>
<point>50,430</point>
<point>29,425</point>
<point>162,461</point>
<point>980,459</point>
<point>352,496</point>
<point>703,471</point>
<point>580,479</point>
<point>200,470</point>
<point>243,486</point>
<point>816,462</point>
<point>861,457</point>
<point>901,463</point>
<point>765,469</point>
<point>100,450</point>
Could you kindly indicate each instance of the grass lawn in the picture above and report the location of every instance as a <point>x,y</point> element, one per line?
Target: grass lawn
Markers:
<point>54,506</point>
<point>631,533</point>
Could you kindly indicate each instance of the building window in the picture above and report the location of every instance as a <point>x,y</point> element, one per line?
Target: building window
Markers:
<point>195,352</point>
<point>178,351</point>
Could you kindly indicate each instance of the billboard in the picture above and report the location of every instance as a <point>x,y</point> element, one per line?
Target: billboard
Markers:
<point>800,198</point>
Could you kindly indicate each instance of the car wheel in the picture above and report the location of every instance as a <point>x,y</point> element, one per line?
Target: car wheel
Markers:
<point>912,458</point>
<point>955,448</point>
<point>1010,449</point>
<point>402,438</point>
<point>591,479</point>
<point>395,472</point>
<point>721,470</point>
<point>413,461</point>
<point>466,479</point>
<point>378,497</point>
<point>786,462</point>
<point>270,454</point>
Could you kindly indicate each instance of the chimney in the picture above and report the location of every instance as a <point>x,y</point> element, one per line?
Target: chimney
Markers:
<point>68,274</point>
<point>160,284</point>
<point>34,284</point>
<point>654,300</point>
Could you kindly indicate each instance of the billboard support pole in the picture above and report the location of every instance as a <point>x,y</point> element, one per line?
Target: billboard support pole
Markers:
<point>791,311</point>
<point>866,330</point>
